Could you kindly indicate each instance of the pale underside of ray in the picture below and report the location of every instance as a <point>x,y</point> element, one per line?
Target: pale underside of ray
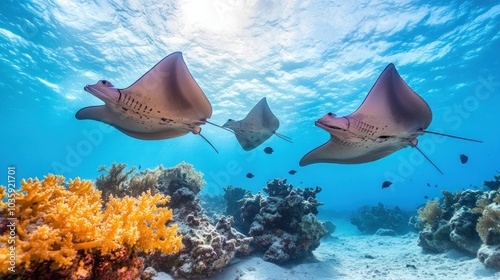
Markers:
<point>389,119</point>
<point>165,102</point>
<point>256,127</point>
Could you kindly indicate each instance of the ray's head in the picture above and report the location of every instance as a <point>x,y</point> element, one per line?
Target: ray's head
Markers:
<point>332,122</point>
<point>104,90</point>
<point>231,124</point>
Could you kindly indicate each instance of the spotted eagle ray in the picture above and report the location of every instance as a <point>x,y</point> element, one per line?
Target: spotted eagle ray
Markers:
<point>256,127</point>
<point>165,102</point>
<point>390,118</point>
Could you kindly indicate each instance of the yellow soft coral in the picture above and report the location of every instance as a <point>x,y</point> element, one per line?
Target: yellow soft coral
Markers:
<point>431,212</point>
<point>55,222</point>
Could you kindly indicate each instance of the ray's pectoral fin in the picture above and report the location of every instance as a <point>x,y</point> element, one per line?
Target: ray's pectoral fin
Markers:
<point>104,114</point>
<point>97,113</point>
<point>320,154</point>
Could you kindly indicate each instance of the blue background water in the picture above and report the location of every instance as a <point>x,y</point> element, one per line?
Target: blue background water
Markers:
<point>307,57</point>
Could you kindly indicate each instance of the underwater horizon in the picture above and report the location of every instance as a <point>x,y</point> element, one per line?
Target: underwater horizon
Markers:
<point>307,58</point>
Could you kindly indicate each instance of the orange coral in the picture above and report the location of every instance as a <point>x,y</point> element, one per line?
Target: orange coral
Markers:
<point>55,222</point>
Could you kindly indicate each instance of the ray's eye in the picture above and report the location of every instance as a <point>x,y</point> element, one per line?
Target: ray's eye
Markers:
<point>330,113</point>
<point>104,82</point>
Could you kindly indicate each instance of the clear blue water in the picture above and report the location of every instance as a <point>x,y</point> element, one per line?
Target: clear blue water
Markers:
<point>307,57</point>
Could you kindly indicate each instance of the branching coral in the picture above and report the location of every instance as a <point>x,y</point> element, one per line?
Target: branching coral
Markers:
<point>112,183</point>
<point>119,183</point>
<point>142,182</point>
<point>431,212</point>
<point>54,223</point>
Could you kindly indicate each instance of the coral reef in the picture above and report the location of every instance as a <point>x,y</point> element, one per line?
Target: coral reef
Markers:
<point>451,225</point>
<point>119,183</point>
<point>489,255</point>
<point>468,221</point>
<point>488,227</point>
<point>181,180</point>
<point>430,213</point>
<point>415,223</point>
<point>283,224</point>
<point>58,227</point>
<point>206,248</point>
<point>369,219</point>
<point>234,197</point>
<point>119,264</point>
<point>493,184</point>
<point>213,206</point>
<point>330,228</point>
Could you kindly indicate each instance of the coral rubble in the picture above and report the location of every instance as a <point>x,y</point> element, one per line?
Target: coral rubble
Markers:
<point>65,228</point>
<point>370,219</point>
<point>283,224</point>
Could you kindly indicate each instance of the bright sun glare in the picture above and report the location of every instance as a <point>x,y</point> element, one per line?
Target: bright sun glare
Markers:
<point>211,15</point>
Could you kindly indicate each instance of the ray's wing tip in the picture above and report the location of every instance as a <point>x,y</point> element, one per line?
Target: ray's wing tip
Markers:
<point>304,161</point>
<point>79,114</point>
<point>176,53</point>
<point>175,56</point>
<point>390,68</point>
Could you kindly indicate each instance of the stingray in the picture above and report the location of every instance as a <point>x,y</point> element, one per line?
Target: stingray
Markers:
<point>390,118</point>
<point>256,127</point>
<point>165,102</point>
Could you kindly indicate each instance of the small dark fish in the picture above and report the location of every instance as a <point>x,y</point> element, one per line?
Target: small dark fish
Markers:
<point>464,159</point>
<point>435,186</point>
<point>292,172</point>
<point>386,184</point>
<point>250,175</point>
<point>268,150</point>
<point>411,266</point>
<point>139,167</point>
<point>426,197</point>
<point>428,184</point>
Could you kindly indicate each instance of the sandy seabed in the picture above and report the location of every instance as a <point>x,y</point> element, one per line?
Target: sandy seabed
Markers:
<point>350,255</point>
